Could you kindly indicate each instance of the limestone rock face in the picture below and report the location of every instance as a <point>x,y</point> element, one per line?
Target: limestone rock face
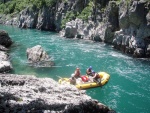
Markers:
<point>134,24</point>
<point>21,94</point>
<point>28,18</point>
<point>148,18</point>
<point>5,40</point>
<point>137,13</point>
<point>71,29</point>
<point>123,15</point>
<point>36,55</point>
<point>46,19</point>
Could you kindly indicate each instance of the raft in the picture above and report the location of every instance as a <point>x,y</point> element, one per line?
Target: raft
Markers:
<point>90,84</point>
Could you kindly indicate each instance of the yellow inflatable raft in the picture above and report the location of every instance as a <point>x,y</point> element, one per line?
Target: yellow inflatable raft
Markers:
<point>90,84</point>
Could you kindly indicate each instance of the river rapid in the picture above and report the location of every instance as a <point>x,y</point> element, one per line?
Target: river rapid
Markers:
<point>127,91</point>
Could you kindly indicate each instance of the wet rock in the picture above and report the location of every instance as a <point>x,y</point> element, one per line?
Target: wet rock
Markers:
<point>5,40</point>
<point>138,53</point>
<point>5,66</point>
<point>38,57</point>
<point>71,29</point>
<point>2,48</point>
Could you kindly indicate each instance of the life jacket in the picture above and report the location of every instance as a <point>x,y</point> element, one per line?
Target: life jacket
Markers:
<point>88,70</point>
<point>84,78</point>
<point>97,76</point>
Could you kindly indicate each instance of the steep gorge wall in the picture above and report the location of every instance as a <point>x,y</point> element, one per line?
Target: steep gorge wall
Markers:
<point>125,24</point>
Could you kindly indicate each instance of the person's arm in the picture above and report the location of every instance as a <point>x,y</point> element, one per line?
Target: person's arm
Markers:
<point>94,76</point>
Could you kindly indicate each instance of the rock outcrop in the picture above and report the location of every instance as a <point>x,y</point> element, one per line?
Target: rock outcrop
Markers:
<point>26,93</point>
<point>28,17</point>
<point>133,37</point>
<point>5,41</point>
<point>38,57</point>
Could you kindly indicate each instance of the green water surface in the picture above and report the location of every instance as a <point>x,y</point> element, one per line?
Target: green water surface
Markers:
<point>128,90</point>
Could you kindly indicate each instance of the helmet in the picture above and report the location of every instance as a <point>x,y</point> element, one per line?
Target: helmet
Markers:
<point>93,71</point>
<point>90,67</point>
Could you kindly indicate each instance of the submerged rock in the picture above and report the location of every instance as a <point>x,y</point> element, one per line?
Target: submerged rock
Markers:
<point>20,93</point>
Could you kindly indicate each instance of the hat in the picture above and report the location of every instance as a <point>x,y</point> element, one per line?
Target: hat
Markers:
<point>90,67</point>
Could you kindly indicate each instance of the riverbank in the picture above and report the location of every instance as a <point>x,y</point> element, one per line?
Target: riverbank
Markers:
<point>26,93</point>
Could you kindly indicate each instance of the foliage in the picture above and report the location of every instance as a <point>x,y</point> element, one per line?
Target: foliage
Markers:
<point>18,5</point>
<point>69,16</point>
<point>86,11</point>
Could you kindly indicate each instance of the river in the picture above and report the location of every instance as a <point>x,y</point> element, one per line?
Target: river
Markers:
<point>127,91</point>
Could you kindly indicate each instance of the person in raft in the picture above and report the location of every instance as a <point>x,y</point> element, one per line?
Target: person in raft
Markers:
<point>77,73</point>
<point>89,71</point>
<point>96,77</point>
<point>72,80</point>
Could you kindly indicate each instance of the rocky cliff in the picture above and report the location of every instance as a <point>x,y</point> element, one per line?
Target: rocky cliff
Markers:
<point>125,24</point>
<point>26,93</point>
<point>5,42</point>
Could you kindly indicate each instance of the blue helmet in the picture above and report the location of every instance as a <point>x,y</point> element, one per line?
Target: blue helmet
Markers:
<point>90,67</point>
<point>93,71</point>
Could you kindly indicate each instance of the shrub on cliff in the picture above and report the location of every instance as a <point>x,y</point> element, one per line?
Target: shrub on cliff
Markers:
<point>18,5</point>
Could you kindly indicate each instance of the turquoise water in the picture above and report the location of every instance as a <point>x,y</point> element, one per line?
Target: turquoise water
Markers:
<point>128,90</point>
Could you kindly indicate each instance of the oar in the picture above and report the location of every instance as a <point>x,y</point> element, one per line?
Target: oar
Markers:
<point>59,76</point>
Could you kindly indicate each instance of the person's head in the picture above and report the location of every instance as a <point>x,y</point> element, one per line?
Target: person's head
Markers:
<point>72,76</point>
<point>93,72</point>
<point>77,69</point>
<point>90,67</point>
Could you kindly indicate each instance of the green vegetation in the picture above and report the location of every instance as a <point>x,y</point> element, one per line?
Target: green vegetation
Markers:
<point>86,11</point>
<point>18,5</point>
<point>70,15</point>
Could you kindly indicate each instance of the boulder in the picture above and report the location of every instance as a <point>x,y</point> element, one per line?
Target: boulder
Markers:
<point>148,51</point>
<point>37,56</point>
<point>138,53</point>
<point>22,94</point>
<point>5,66</point>
<point>71,29</point>
<point>5,40</point>
<point>2,48</point>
